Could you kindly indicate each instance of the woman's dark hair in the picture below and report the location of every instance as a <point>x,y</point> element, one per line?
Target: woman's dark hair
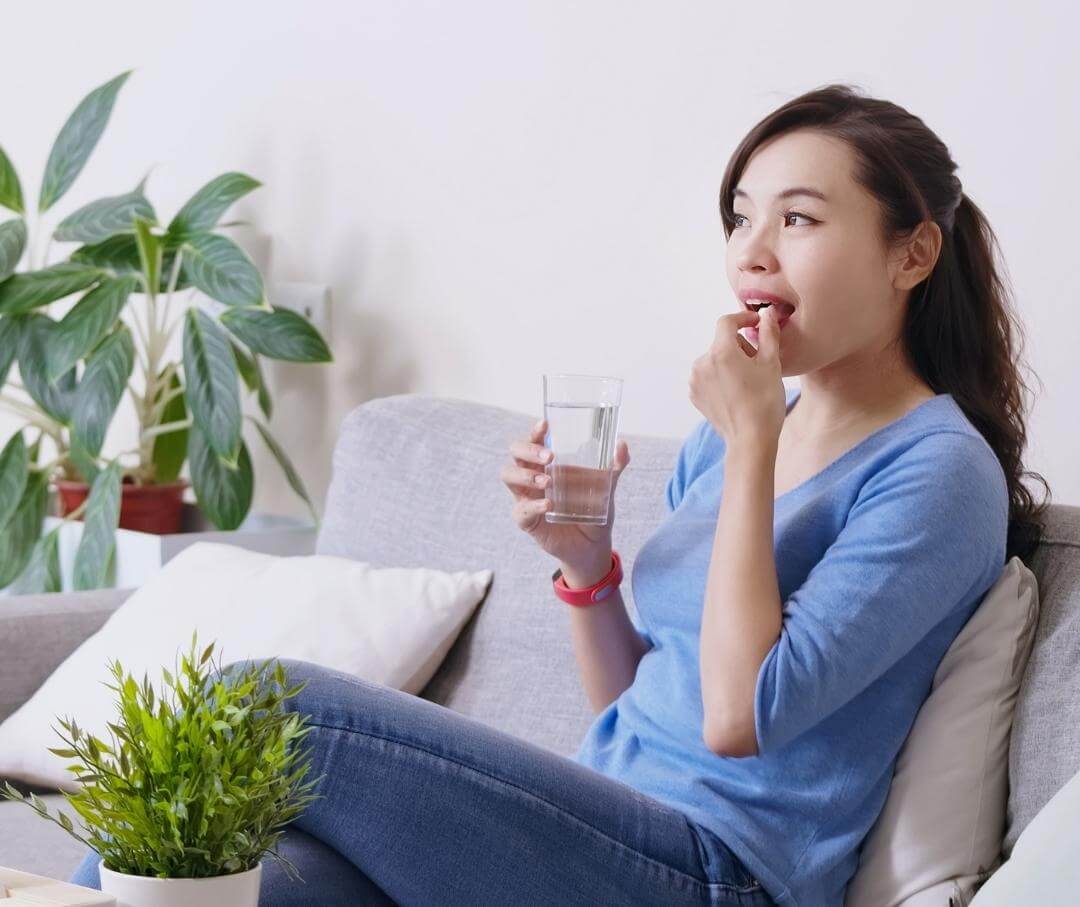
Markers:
<point>960,332</point>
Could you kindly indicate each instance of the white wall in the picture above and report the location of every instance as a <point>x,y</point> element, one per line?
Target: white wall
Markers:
<point>495,189</point>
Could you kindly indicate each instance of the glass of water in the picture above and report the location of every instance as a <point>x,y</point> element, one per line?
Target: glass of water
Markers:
<point>582,413</point>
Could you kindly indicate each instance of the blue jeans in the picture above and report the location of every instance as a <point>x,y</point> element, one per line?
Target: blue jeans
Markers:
<point>422,806</point>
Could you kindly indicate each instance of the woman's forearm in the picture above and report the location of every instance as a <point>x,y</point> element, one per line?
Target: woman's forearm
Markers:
<point>742,613</point>
<point>607,646</point>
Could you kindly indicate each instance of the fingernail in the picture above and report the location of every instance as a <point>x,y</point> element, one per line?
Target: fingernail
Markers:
<point>539,425</point>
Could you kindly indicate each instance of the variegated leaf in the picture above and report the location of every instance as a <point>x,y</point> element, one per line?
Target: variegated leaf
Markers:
<point>12,245</point>
<point>208,204</point>
<point>223,493</point>
<point>105,217</point>
<point>101,387</point>
<point>96,547</point>
<point>87,322</point>
<point>221,269</point>
<point>278,333</point>
<point>211,383</point>
<point>77,139</point>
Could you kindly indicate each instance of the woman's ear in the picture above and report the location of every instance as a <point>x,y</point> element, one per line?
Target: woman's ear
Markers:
<point>917,256</point>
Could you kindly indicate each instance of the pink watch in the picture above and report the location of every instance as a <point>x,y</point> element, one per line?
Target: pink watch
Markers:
<point>594,594</point>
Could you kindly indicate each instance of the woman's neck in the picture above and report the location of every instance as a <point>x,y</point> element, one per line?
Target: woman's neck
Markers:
<point>831,403</point>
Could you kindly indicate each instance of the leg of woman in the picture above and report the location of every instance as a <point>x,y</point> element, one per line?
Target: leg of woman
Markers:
<point>437,808</point>
<point>86,873</point>
<point>328,879</point>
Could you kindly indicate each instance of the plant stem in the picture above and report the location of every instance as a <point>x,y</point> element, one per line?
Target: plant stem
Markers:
<point>165,429</point>
<point>138,326</point>
<point>78,511</point>
<point>53,462</point>
<point>166,393</point>
<point>33,416</point>
<point>174,277</point>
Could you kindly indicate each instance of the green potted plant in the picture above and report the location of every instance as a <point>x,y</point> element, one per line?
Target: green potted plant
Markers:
<point>195,786</point>
<point>74,370</point>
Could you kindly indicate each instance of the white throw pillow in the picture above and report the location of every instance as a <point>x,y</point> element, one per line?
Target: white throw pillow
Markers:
<point>1043,867</point>
<point>940,830</point>
<point>392,625</point>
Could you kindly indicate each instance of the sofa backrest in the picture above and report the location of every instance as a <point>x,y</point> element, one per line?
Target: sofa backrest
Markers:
<point>1044,749</point>
<point>416,483</point>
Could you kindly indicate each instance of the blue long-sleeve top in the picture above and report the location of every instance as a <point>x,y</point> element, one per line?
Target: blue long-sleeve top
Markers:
<point>881,558</point>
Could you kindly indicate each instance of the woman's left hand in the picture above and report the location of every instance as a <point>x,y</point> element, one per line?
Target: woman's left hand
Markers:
<point>739,391</point>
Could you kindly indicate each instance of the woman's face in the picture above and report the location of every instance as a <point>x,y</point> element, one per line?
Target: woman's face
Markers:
<point>825,256</point>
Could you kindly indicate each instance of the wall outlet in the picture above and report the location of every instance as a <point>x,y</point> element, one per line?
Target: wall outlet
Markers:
<point>312,300</point>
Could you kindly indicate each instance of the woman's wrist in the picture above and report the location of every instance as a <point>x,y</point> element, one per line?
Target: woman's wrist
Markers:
<point>586,575</point>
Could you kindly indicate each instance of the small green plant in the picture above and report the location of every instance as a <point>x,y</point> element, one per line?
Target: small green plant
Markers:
<point>196,783</point>
<point>74,371</point>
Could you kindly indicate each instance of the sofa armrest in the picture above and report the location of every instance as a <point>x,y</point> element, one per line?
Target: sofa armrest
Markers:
<point>37,632</point>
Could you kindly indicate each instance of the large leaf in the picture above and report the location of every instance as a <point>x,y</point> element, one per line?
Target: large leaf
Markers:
<point>76,141</point>
<point>101,387</point>
<point>9,345</point>
<point>14,468</point>
<point>211,384</point>
<point>42,573</point>
<point>105,217</point>
<point>12,244</point>
<point>223,493</point>
<point>9,339</point>
<point>95,551</point>
<point>170,449</point>
<point>85,462</point>
<point>17,538</point>
<point>10,190</point>
<point>278,333</point>
<point>222,270</point>
<point>55,397</point>
<point>251,373</point>
<point>88,321</point>
<point>23,292</point>
<point>119,255</point>
<point>209,203</point>
<point>291,475</point>
<point>150,253</point>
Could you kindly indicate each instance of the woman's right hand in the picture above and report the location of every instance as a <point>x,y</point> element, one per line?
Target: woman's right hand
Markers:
<point>584,548</point>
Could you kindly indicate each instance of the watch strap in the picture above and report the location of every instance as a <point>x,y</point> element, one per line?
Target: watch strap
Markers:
<point>593,594</point>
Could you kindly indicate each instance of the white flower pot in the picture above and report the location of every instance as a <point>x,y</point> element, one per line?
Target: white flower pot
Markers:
<point>241,889</point>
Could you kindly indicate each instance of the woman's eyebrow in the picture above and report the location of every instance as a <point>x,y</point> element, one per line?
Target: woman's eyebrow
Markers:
<point>787,193</point>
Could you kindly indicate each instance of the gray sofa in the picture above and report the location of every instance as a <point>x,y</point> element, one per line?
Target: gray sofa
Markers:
<point>416,483</point>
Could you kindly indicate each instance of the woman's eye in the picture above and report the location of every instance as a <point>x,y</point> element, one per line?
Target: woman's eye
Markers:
<point>786,215</point>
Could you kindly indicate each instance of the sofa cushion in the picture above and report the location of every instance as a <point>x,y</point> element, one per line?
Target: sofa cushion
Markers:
<point>30,843</point>
<point>939,832</point>
<point>1044,751</point>
<point>416,482</point>
<point>387,625</point>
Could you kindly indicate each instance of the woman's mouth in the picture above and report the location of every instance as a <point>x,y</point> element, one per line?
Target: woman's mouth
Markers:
<point>751,333</point>
<point>783,310</point>
<point>784,313</point>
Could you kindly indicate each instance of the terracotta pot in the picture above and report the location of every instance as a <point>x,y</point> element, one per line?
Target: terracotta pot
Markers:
<point>144,508</point>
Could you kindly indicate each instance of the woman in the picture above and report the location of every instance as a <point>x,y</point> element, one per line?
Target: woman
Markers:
<point>823,548</point>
